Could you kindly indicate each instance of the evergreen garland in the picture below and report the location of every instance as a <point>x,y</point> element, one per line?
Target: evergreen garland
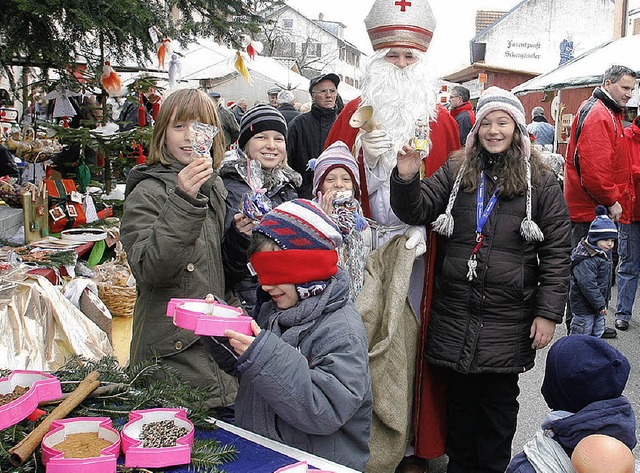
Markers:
<point>146,385</point>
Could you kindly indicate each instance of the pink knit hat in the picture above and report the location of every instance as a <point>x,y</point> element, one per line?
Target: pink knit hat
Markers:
<point>337,155</point>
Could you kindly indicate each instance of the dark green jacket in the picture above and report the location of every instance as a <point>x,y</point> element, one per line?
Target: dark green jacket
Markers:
<point>173,245</point>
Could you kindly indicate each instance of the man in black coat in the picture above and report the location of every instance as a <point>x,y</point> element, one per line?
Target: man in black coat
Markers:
<point>308,132</point>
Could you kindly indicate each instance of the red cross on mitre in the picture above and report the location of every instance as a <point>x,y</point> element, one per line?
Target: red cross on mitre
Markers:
<point>403,4</point>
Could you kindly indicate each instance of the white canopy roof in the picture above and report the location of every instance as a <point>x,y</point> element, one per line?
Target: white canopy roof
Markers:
<point>207,59</point>
<point>587,69</point>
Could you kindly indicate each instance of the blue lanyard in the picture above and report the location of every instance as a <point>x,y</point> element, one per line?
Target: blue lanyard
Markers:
<point>482,212</point>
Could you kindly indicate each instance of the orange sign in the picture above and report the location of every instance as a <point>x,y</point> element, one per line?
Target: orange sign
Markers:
<point>482,77</point>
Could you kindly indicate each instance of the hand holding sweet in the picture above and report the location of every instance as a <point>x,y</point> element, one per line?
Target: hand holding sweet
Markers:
<point>194,174</point>
<point>409,163</point>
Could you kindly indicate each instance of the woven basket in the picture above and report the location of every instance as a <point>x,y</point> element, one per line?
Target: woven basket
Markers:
<point>120,300</point>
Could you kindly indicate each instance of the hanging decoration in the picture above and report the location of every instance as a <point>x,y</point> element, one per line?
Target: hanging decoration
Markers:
<point>142,111</point>
<point>110,80</point>
<point>164,50</point>
<point>251,47</point>
<point>241,67</point>
<point>63,106</point>
<point>175,71</point>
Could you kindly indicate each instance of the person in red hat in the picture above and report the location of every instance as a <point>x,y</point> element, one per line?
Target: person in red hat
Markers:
<point>398,85</point>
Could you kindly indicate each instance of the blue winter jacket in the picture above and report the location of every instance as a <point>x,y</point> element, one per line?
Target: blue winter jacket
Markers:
<point>613,417</point>
<point>590,279</point>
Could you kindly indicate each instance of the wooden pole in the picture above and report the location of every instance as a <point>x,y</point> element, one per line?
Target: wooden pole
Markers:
<point>28,445</point>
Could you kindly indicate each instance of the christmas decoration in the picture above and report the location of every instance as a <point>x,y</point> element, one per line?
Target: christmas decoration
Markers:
<point>175,70</point>
<point>252,47</point>
<point>164,50</point>
<point>110,80</point>
<point>241,67</point>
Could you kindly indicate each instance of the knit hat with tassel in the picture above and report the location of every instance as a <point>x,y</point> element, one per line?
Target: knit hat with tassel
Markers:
<point>491,100</point>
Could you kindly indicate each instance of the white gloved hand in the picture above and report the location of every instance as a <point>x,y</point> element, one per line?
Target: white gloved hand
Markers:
<point>374,144</point>
<point>415,240</point>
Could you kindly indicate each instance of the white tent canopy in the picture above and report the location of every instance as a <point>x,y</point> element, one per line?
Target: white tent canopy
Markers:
<point>209,60</point>
<point>587,69</point>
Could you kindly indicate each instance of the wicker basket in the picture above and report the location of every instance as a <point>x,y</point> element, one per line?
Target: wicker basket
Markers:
<point>120,300</point>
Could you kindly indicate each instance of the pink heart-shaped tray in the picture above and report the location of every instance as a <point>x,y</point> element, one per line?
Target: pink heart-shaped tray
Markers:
<point>42,387</point>
<point>56,461</point>
<point>208,318</point>
<point>138,456</point>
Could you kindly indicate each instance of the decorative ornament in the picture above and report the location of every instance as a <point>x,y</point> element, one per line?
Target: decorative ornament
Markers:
<point>110,80</point>
<point>175,71</point>
<point>252,47</point>
<point>142,111</point>
<point>62,107</point>
<point>241,67</point>
<point>164,50</point>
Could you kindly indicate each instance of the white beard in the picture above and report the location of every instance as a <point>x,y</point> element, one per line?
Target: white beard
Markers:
<point>399,96</point>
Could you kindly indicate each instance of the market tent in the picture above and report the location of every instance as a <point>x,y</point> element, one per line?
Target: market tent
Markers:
<point>587,69</point>
<point>209,61</point>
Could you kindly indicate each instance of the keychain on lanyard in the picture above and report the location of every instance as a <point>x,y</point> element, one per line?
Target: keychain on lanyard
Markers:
<point>482,215</point>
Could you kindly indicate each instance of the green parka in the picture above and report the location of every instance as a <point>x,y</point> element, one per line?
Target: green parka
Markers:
<point>174,247</point>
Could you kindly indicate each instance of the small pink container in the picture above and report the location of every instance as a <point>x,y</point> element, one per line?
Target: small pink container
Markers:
<point>42,387</point>
<point>208,318</point>
<point>137,456</point>
<point>55,459</point>
<point>300,467</point>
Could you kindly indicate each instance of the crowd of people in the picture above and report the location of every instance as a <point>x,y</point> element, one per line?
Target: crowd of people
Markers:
<point>284,210</point>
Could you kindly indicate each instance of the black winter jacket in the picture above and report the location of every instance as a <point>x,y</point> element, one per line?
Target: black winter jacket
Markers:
<point>483,326</point>
<point>305,140</point>
<point>237,275</point>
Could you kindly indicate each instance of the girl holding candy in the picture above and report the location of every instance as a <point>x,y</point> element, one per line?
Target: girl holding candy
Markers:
<point>172,230</point>
<point>257,179</point>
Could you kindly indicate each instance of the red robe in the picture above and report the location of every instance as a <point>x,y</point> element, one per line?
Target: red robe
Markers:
<point>430,391</point>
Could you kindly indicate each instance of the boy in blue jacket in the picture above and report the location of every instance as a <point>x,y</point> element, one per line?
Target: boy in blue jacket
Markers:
<point>304,375</point>
<point>591,267</point>
<point>583,383</point>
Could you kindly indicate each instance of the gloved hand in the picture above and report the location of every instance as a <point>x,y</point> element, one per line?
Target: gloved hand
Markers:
<point>415,240</point>
<point>374,144</point>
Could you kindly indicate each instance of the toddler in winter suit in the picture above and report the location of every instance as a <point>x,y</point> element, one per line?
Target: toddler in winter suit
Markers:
<point>583,383</point>
<point>591,267</point>
<point>304,375</point>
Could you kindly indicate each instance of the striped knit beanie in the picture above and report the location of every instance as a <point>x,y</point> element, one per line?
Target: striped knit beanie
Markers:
<point>260,118</point>
<point>602,227</point>
<point>337,155</point>
<point>492,99</point>
<point>308,238</point>
<point>495,98</point>
<point>400,24</point>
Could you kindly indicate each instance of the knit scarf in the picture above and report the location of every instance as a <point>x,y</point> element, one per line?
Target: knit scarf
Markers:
<point>351,254</point>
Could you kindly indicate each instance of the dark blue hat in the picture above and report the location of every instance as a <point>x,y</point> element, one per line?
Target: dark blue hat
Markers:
<point>602,227</point>
<point>582,369</point>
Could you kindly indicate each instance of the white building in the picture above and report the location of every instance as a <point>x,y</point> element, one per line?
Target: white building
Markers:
<point>313,46</point>
<point>529,37</point>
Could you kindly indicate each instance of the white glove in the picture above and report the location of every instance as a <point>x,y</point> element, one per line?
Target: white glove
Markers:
<point>415,240</point>
<point>374,144</point>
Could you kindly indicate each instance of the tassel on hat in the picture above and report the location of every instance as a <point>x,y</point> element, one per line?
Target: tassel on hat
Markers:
<point>492,99</point>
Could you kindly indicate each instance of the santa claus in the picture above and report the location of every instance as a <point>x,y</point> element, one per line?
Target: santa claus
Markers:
<point>399,90</point>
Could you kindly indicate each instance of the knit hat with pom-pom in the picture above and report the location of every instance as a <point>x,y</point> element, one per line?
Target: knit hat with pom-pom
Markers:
<point>602,227</point>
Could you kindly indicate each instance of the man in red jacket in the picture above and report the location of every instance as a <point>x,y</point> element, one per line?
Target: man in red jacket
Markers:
<point>629,241</point>
<point>462,110</point>
<point>597,165</point>
<point>398,85</point>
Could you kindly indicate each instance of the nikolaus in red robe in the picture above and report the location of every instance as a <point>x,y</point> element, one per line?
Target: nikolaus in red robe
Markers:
<point>430,404</point>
